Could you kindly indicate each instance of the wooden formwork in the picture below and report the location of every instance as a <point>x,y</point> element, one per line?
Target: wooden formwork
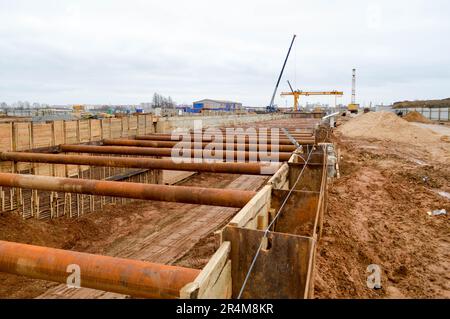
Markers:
<point>23,136</point>
<point>44,204</point>
<point>284,267</point>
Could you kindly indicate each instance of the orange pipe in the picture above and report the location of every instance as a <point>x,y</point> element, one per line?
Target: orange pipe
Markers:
<point>165,152</point>
<point>124,276</point>
<point>246,147</point>
<point>135,162</point>
<point>244,139</point>
<point>180,194</point>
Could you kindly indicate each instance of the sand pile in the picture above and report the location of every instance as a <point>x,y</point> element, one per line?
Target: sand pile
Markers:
<point>416,117</point>
<point>387,126</point>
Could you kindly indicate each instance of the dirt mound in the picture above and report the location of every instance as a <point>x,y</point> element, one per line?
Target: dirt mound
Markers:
<point>377,214</point>
<point>416,117</point>
<point>387,126</point>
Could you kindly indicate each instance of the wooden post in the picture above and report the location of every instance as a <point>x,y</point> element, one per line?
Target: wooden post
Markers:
<point>53,144</point>
<point>101,129</point>
<point>2,193</point>
<point>90,129</point>
<point>128,126</point>
<point>66,170</point>
<point>14,164</point>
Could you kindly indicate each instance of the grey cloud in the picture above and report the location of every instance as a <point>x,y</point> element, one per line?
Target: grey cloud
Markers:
<point>122,51</point>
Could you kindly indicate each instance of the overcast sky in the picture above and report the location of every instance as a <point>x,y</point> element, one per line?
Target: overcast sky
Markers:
<point>120,52</point>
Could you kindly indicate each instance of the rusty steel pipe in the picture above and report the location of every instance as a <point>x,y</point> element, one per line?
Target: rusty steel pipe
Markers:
<point>124,276</point>
<point>165,193</point>
<point>135,162</point>
<point>244,131</point>
<point>246,147</point>
<point>165,152</point>
<point>236,134</point>
<point>281,135</point>
<point>245,139</point>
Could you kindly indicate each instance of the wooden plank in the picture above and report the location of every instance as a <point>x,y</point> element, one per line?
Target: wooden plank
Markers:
<point>96,130</point>
<point>260,203</point>
<point>132,125</point>
<point>278,180</point>
<point>222,289</point>
<point>116,127</point>
<point>5,137</point>
<point>207,283</point>
<point>42,133</point>
<point>23,138</point>
<point>70,131</point>
<point>59,132</point>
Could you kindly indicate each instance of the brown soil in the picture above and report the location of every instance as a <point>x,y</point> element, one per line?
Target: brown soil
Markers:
<point>399,134</point>
<point>415,116</point>
<point>377,214</point>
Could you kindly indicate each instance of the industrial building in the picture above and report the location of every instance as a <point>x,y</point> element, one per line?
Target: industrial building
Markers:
<point>215,105</point>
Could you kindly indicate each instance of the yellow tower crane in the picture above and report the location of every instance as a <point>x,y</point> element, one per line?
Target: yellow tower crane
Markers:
<point>298,93</point>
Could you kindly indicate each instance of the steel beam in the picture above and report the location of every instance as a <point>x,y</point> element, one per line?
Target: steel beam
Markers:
<point>125,276</point>
<point>180,194</point>
<point>166,152</point>
<point>135,162</point>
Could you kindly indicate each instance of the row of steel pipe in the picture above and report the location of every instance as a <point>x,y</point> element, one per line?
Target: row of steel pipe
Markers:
<point>281,134</point>
<point>136,162</point>
<point>180,194</point>
<point>224,146</point>
<point>167,152</point>
<point>125,276</point>
<point>242,139</point>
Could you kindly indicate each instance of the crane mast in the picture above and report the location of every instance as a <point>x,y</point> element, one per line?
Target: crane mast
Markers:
<point>353,107</point>
<point>354,86</point>
<point>271,108</point>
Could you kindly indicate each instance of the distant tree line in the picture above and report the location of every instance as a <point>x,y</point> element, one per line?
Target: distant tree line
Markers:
<point>23,105</point>
<point>160,101</point>
<point>423,103</point>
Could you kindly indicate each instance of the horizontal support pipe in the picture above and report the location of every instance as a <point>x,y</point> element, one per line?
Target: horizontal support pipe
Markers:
<point>281,134</point>
<point>244,139</point>
<point>267,129</point>
<point>125,276</point>
<point>165,193</point>
<point>167,152</point>
<point>246,147</point>
<point>135,162</point>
